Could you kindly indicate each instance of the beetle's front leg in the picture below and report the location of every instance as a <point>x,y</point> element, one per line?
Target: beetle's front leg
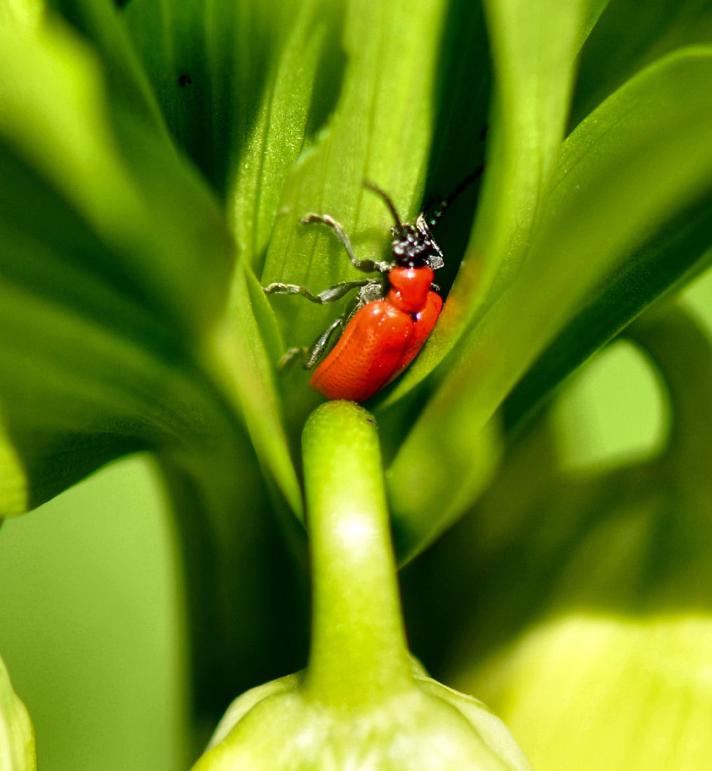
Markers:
<point>367,266</point>
<point>329,295</point>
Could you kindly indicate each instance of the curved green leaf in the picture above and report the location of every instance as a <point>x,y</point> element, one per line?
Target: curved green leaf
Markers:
<point>113,257</point>
<point>303,77</point>
<point>661,267</point>
<point>610,609</point>
<point>534,47</point>
<point>243,363</point>
<point>244,588</point>
<point>98,20</point>
<point>628,37</point>
<point>637,162</point>
<point>36,463</point>
<point>53,116</point>
<point>209,63</point>
<point>380,129</point>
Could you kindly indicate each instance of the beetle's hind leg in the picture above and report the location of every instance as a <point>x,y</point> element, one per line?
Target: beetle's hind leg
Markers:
<point>296,352</point>
<point>318,348</point>
<point>329,295</point>
<point>370,291</point>
<point>311,356</point>
<point>367,266</point>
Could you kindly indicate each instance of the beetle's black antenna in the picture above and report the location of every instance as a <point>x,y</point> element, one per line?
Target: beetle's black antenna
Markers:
<point>437,213</point>
<point>387,200</point>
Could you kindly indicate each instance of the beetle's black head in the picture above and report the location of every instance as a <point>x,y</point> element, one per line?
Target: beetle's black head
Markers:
<point>414,246</point>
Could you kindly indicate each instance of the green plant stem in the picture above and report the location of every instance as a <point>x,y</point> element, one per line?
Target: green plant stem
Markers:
<point>358,648</point>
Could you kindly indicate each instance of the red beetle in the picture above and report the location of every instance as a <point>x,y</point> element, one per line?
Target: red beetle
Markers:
<point>391,318</point>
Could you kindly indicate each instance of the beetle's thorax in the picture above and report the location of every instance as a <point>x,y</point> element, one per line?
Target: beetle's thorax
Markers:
<point>409,287</point>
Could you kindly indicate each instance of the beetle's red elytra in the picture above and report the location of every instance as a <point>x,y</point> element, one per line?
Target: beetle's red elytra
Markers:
<point>392,316</point>
<point>379,342</point>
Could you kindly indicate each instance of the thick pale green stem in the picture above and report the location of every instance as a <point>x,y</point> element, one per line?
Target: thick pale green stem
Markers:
<point>358,649</point>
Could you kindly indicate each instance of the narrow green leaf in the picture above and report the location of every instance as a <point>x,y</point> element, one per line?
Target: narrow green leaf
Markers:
<point>113,257</point>
<point>245,367</point>
<point>638,161</point>
<point>462,95</point>
<point>534,47</point>
<point>610,610</point>
<point>238,88</point>
<point>628,37</point>
<point>208,63</point>
<point>244,586</point>
<point>682,352</point>
<point>424,506</point>
<point>99,22</point>
<point>658,269</point>
<point>17,739</point>
<point>53,117</point>
<point>302,78</point>
<point>36,464</point>
<point>380,129</point>
<point>13,480</point>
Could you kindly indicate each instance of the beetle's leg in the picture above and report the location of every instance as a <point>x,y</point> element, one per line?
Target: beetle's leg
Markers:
<point>367,266</point>
<point>370,290</point>
<point>290,355</point>
<point>319,346</point>
<point>329,295</point>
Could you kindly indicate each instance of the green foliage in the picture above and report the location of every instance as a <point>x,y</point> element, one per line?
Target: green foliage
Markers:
<point>155,160</point>
<point>17,741</point>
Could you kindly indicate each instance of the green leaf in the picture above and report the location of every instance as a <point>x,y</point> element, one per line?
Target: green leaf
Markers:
<point>17,739</point>
<point>36,464</point>
<point>658,269</point>
<point>210,64</point>
<point>57,123</point>
<point>13,480</point>
<point>534,47</point>
<point>628,38</point>
<point>424,506</point>
<point>81,348</point>
<point>242,110</point>
<point>131,90</point>
<point>244,586</point>
<point>609,610</point>
<point>113,259</point>
<point>636,163</point>
<point>298,93</point>
<point>380,129</point>
<point>244,365</point>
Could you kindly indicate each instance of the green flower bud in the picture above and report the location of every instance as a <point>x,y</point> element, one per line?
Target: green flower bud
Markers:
<point>360,705</point>
<point>17,739</point>
<point>423,727</point>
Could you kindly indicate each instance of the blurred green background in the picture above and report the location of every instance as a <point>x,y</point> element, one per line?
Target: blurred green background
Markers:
<point>91,627</point>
